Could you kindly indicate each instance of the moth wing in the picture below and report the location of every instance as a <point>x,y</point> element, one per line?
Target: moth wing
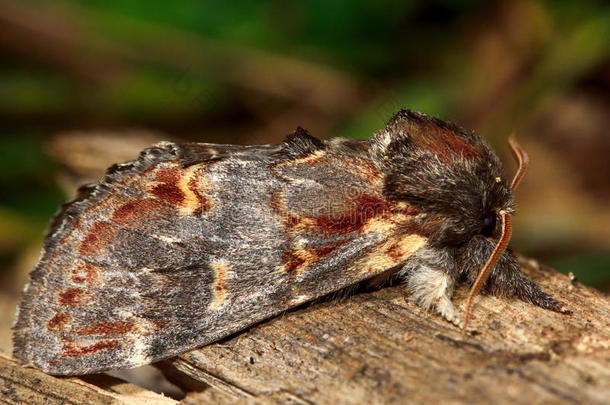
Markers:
<point>191,243</point>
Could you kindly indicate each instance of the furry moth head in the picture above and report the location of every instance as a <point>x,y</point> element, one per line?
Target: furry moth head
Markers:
<point>455,178</point>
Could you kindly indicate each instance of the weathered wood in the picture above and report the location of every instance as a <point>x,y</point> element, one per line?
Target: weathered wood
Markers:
<point>19,385</point>
<point>379,348</point>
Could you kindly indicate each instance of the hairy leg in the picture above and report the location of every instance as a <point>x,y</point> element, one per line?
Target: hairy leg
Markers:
<point>431,275</point>
<point>506,279</point>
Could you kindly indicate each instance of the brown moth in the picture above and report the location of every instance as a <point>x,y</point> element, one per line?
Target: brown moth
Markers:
<point>193,242</point>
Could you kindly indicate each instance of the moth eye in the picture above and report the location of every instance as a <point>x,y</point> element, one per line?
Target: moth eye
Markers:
<point>489,224</point>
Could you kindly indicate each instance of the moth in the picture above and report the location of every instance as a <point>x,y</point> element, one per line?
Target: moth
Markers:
<point>193,242</point>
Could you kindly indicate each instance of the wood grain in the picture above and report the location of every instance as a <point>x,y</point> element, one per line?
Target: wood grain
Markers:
<point>377,347</point>
<point>19,385</point>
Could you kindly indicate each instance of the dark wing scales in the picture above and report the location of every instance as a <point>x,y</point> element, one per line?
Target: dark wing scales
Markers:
<point>83,295</point>
<point>191,243</point>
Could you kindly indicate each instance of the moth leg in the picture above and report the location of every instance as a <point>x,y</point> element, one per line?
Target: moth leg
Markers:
<point>431,275</point>
<point>506,279</point>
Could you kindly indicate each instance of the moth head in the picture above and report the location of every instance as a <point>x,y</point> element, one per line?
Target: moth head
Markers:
<point>445,172</point>
<point>454,178</point>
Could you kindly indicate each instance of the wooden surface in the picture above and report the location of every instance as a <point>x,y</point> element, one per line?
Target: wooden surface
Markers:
<point>20,385</point>
<point>379,348</point>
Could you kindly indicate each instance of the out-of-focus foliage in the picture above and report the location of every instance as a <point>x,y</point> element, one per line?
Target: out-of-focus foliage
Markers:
<point>251,71</point>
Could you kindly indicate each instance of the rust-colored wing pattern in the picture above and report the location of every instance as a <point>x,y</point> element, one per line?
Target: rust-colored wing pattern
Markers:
<point>193,242</point>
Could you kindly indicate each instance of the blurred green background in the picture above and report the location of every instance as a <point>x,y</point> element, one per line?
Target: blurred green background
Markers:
<point>86,83</point>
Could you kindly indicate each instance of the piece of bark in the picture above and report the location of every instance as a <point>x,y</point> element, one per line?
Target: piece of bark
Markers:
<point>379,348</point>
<point>20,385</point>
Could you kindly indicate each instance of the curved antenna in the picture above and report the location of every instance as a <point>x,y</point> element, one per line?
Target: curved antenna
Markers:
<point>522,160</point>
<point>489,265</point>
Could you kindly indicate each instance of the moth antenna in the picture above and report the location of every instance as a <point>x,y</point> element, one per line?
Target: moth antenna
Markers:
<point>489,265</point>
<point>522,160</point>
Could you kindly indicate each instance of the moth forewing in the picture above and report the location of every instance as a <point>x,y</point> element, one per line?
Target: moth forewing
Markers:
<point>162,257</point>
